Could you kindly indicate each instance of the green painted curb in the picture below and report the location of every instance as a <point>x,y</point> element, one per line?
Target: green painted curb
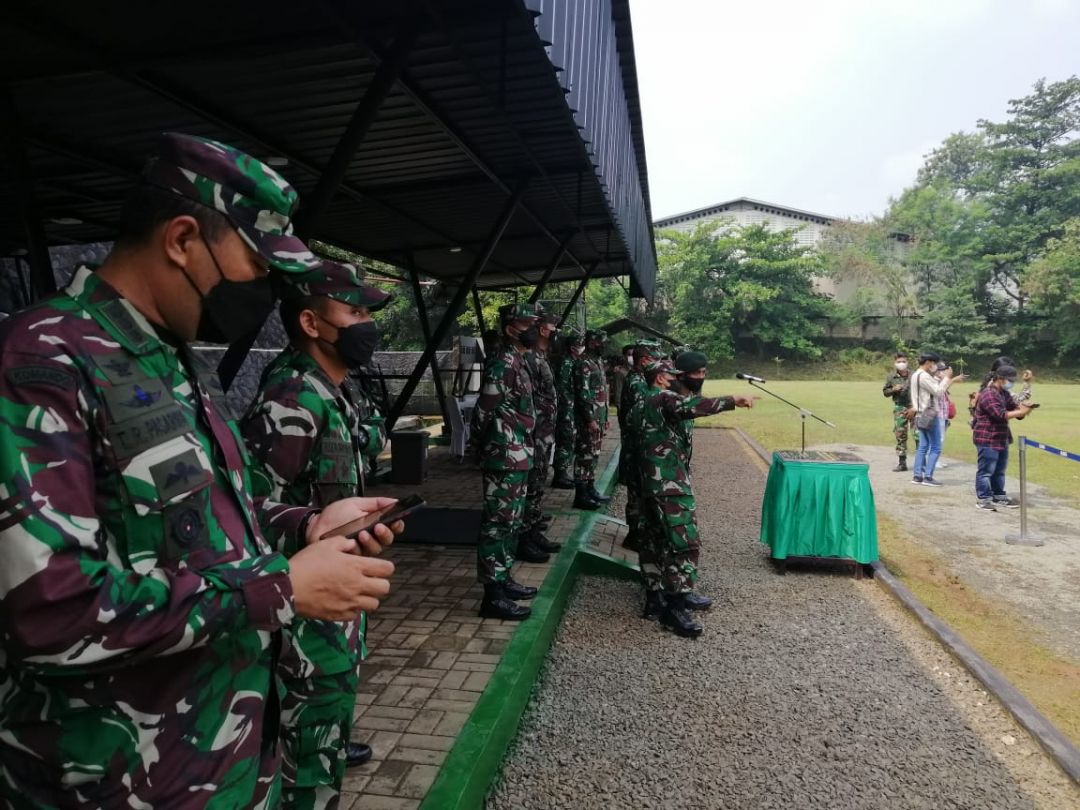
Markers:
<point>477,755</point>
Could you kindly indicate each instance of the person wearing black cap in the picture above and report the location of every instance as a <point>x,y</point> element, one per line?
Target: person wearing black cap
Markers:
<point>926,390</point>
<point>992,437</point>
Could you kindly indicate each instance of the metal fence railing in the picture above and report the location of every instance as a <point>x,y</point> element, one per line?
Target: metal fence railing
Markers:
<point>1026,538</point>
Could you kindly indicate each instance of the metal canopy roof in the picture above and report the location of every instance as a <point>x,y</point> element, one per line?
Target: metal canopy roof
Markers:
<point>480,99</point>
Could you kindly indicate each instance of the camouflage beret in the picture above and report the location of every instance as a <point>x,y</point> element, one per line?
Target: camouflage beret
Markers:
<point>516,312</point>
<point>691,361</point>
<point>256,200</point>
<point>596,334</point>
<point>339,281</point>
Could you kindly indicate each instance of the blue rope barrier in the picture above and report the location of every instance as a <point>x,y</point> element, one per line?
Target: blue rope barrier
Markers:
<point>1053,450</point>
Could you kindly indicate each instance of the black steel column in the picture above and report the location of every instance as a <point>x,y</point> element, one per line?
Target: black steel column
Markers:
<point>316,203</point>
<point>425,327</point>
<point>37,246</point>
<point>577,293</point>
<point>456,304</point>
<point>479,311</point>
<point>550,270</point>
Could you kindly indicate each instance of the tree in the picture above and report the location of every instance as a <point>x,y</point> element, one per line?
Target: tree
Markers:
<point>955,328</point>
<point>1054,283</point>
<point>722,283</point>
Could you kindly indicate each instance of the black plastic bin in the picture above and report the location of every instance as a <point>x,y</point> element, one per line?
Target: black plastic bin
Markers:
<point>408,456</point>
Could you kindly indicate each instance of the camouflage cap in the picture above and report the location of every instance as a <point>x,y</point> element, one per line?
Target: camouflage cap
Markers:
<point>516,312</point>
<point>571,334</point>
<point>547,316</point>
<point>661,366</point>
<point>338,280</point>
<point>596,334</point>
<point>256,200</point>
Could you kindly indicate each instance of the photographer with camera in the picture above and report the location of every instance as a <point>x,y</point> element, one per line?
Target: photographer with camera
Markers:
<point>992,436</point>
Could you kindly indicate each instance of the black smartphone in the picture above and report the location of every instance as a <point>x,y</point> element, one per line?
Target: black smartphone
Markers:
<point>1032,404</point>
<point>389,514</point>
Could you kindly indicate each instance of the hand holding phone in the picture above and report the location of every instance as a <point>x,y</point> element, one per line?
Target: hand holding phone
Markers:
<point>388,515</point>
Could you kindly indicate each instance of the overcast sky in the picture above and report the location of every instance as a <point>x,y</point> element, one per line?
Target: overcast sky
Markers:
<point>829,105</point>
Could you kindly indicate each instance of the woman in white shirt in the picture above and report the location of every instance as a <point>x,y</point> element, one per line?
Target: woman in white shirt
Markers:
<point>927,392</point>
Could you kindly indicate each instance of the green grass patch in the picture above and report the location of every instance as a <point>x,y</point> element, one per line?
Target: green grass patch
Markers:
<point>864,416</point>
<point>1048,680</point>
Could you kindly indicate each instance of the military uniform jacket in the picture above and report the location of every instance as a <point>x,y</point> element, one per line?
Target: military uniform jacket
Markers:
<point>138,591</point>
<point>545,397</point>
<point>901,400</point>
<point>310,439</point>
<point>564,388</point>
<point>505,414</point>
<point>590,386</point>
<point>664,461</point>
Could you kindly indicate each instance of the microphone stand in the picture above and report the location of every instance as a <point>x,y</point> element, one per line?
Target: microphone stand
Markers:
<point>803,413</point>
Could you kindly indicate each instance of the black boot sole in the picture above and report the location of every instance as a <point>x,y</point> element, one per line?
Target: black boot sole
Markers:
<point>494,613</point>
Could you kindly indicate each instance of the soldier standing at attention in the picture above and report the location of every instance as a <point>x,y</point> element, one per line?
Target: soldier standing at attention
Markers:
<point>506,419</point>
<point>633,392</point>
<point>898,388</point>
<point>572,345</point>
<point>311,430</point>
<point>142,587</point>
<point>591,414</point>
<point>668,499</point>
<point>532,545</point>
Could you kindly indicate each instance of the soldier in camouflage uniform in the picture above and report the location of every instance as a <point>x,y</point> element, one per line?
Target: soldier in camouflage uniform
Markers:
<point>533,546</point>
<point>504,438</point>
<point>667,496</point>
<point>898,388</point>
<point>634,389</point>
<point>591,415</point>
<point>573,344</point>
<point>313,432</point>
<point>142,587</point>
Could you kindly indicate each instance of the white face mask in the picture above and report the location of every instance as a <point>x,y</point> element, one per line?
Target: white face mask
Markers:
<point>901,366</point>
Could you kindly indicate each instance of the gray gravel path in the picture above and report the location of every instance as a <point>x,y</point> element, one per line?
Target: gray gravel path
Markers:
<point>806,691</point>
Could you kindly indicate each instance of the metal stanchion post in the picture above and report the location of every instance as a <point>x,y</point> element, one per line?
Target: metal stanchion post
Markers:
<point>1023,539</point>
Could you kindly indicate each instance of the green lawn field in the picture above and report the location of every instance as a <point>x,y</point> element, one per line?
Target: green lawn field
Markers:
<point>863,416</point>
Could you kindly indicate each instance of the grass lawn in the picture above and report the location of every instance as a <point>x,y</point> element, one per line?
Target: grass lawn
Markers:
<point>863,416</point>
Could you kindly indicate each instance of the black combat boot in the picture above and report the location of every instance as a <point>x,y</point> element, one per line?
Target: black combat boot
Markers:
<point>515,590</point>
<point>654,605</point>
<point>695,601</point>
<point>631,542</point>
<point>582,498</point>
<point>540,540</point>
<point>356,754</point>
<point>528,551</point>
<point>676,618</point>
<point>496,605</point>
<point>596,496</point>
<point>902,466</point>
<point>562,480</point>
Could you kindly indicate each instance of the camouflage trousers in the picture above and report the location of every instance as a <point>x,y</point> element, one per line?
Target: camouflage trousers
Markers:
<point>316,719</point>
<point>587,452</point>
<point>534,504</point>
<point>901,429</point>
<point>500,522</point>
<point>565,436</point>
<point>673,546</point>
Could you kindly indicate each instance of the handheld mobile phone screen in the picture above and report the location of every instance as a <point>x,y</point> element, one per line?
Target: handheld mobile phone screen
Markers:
<point>388,514</point>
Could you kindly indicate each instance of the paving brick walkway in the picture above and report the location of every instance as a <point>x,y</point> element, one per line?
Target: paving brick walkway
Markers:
<point>431,655</point>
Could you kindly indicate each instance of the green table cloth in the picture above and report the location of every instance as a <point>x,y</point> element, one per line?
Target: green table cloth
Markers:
<point>819,505</point>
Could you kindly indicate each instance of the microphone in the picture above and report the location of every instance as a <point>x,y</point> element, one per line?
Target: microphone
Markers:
<point>740,376</point>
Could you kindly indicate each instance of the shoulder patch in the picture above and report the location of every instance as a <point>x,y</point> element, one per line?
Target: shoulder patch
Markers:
<point>42,375</point>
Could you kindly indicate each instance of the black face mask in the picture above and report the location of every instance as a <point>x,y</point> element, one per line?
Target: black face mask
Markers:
<point>529,337</point>
<point>232,309</point>
<point>693,384</point>
<point>356,343</point>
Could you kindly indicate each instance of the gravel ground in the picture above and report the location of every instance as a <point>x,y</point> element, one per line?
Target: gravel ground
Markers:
<point>806,691</point>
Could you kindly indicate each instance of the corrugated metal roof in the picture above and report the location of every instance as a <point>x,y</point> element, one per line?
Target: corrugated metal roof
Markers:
<point>478,108</point>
